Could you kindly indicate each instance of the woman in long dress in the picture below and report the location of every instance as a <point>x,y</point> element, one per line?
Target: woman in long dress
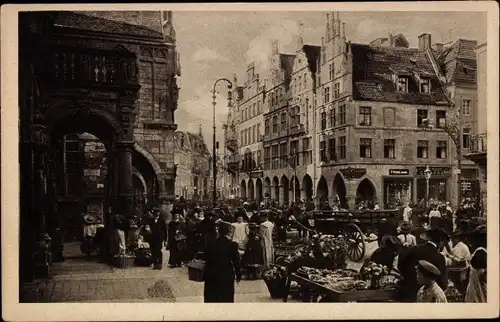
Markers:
<point>176,241</point>
<point>266,233</point>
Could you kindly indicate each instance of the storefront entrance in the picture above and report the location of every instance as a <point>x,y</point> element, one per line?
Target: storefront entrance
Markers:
<point>437,189</point>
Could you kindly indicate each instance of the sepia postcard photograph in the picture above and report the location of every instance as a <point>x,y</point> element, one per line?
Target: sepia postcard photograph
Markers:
<point>298,161</point>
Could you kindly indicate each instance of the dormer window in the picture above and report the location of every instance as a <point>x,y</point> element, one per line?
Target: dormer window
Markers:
<point>425,85</point>
<point>403,84</point>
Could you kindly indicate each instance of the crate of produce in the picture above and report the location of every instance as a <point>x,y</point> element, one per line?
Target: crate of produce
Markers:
<point>125,261</point>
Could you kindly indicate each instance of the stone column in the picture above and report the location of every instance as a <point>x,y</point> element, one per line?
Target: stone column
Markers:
<point>281,194</point>
<point>351,187</point>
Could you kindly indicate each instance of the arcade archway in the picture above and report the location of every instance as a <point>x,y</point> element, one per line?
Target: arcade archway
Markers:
<point>275,192</point>
<point>267,187</point>
<point>251,190</point>
<point>295,188</point>
<point>258,186</point>
<point>366,191</point>
<point>322,190</point>
<point>243,189</point>
<point>339,191</point>
<point>307,186</point>
<point>285,189</point>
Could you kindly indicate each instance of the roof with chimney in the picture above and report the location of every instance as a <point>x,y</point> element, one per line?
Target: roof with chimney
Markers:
<point>375,72</point>
<point>458,63</point>
<point>75,20</point>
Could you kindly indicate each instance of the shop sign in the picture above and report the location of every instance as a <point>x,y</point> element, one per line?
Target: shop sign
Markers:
<point>435,171</point>
<point>353,173</point>
<point>399,172</point>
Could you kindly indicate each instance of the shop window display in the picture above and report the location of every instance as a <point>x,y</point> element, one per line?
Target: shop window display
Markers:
<point>397,193</point>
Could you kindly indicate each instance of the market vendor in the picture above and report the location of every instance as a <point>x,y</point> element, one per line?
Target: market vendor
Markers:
<point>429,251</point>
<point>456,250</point>
<point>386,254</point>
<point>266,233</point>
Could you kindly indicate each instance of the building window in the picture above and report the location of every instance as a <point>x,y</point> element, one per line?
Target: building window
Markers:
<point>283,122</point>
<point>466,138</point>
<point>331,71</point>
<point>403,84</point>
<point>441,118</point>
<point>242,138</point>
<point>342,119</point>
<point>323,120</point>
<point>283,154</point>
<point>336,90</point>
<point>322,151</point>
<point>305,81</point>
<point>425,85</point>
<point>332,149</point>
<point>258,107</point>
<point>275,124</point>
<point>441,149</point>
<point>267,151</point>
<point>466,106</point>
<point>342,147</point>
<point>326,95</point>
<point>365,115</point>
<point>421,115</point>
<point>266,127</point>
<point>365,148</point>
<point>258,133</point>
<point>275,157</point>
<point>300,83</point>
<point>306,151</point>
<point>254,109</point>
<point>259,159</point>
<point>422,149</point>
<point>389,116</point>
<point>390,149</point>
<point>333,117</point>
<point>254,134</point>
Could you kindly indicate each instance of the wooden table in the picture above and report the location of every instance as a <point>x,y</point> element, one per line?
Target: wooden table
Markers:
<point>309,287</point>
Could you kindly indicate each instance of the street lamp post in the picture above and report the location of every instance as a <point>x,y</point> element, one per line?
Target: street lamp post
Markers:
<point>427,175</point>
<point>294,165</point>
<point>214,148</point>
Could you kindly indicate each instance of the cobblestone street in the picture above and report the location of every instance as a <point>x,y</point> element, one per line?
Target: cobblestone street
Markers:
<point>81,279</point>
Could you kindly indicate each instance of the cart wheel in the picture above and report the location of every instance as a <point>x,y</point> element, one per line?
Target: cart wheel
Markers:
<point>356,247</point>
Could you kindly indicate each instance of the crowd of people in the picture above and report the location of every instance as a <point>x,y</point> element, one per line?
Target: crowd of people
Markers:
<point>238,241</point>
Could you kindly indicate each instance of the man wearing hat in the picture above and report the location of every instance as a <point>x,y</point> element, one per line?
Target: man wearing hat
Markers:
<point>429,251</point>
<point>430,292</point>
<point>222,266</point>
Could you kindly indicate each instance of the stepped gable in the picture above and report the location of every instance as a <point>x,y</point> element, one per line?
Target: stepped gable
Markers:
<point>375,68</point>
<point>75,20</point>
<point>459,64</point>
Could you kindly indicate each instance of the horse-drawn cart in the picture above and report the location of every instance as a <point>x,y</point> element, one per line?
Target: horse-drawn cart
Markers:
<point>354,225</point>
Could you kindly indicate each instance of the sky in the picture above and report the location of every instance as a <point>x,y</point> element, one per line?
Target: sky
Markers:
<point>221,44</point>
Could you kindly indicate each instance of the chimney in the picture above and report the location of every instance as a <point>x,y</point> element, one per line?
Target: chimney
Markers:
<point>439,47</point>
<point>424,41</point>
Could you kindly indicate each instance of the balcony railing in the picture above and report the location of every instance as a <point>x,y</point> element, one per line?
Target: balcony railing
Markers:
<point>478,144</point>
<point>80,67</point>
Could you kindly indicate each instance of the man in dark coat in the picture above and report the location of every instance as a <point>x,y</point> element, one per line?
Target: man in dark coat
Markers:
<point>207,229</point>
<point>388,227</point>
<point>158,226</point>
<point>429,251</point>
<point>222,266</point>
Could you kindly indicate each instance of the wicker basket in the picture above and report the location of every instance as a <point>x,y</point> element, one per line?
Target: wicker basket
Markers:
<point>276,287</point>
<point>196,269</point>
<point>125,262</point>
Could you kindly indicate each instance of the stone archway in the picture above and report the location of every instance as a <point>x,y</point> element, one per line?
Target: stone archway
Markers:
<point>340,191</point>
<point>284,189</point>
<point>267,187</point>
<point>366,191</point>
<point>258,188</point>
<point>275,190</point>
<point>307,187</point>
<point>322,190</point>
<point>243,189</point>
<point>251,190</point>
<point>160,174</point>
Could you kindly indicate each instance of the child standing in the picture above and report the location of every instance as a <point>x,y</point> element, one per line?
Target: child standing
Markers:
<point>430,292</point>
<point>253,257</point>
<point>406,237</point>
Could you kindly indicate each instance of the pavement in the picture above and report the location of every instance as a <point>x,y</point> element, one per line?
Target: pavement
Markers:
<point>84,279</point>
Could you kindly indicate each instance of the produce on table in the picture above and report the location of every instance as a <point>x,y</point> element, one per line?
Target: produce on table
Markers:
<point>327,250</point>
<point>373,270</point>
<point>274,273</point>
<point>453,295</point>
